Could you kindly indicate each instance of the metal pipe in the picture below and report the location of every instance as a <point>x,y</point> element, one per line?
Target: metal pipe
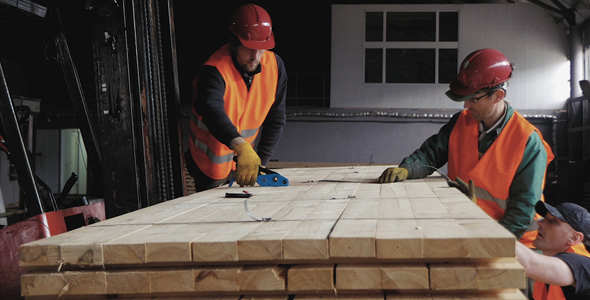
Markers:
<point>74,86</point>
<point>392,114</point>
<point>18,156</point>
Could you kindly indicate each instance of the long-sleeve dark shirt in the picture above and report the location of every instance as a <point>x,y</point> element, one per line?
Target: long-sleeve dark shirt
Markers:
<point>209,103</point>
<point>580,266</point>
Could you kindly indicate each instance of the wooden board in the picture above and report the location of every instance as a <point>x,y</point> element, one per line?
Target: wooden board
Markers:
<point>333,233</point>
<point>311,278</point>
<point>498,275</point>
<point>285,279</point>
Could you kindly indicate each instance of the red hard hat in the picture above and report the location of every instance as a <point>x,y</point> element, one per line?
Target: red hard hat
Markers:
<point>482,69</point>
<point>252,25</point>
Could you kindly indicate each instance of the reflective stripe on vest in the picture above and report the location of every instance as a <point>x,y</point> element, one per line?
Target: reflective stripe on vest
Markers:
<point>501,159</point>
<point>247,110</point>
<point>246,133</point>
<point>482,194</point>
<point>554,292</point>
<point>216,159</point>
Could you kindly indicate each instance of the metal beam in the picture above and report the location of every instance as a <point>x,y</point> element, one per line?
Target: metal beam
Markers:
<point>117,118</point>
<point>27,6</point>
<point>138,102</point>
<point>547,6</point>
<point>74,86</point>
<point>568,13</point>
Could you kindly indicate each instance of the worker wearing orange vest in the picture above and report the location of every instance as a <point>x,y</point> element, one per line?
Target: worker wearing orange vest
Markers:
<point>563,270</point>
<point>238,96</point>
<point>488,144</point>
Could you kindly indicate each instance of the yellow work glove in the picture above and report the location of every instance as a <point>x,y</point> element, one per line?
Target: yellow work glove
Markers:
<point>248,164</point>
<point>467,189</point>
<point>393,174</point>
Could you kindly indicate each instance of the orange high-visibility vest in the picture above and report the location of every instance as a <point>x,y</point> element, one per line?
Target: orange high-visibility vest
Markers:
<point>554,292</point>
<point>247,109</point>
<point>493,173</point>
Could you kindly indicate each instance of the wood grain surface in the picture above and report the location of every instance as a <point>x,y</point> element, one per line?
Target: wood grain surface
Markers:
<point>334,233</point>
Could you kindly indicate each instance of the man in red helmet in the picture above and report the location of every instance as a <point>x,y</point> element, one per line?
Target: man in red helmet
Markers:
<point>489,145</point>
<point>238,95</point>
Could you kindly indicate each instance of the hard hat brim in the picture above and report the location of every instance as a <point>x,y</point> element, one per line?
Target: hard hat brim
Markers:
<point>459,98</point>
<point>259,45</point>
<point>459,93</point>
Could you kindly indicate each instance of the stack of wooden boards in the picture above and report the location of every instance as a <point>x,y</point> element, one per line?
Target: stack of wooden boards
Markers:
<point>334,233</point>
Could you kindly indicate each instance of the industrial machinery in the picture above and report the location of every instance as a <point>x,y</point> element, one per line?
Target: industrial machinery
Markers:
<point>40,213</point>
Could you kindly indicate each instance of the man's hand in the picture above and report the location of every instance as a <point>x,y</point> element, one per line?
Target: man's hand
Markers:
<point>248,164</point>
<point>467,189</point>
<point>393,174</point>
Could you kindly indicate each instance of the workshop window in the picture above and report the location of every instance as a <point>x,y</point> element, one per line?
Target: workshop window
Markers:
<point>409,66</point>
<point>411,46</point>
<point>374,27</point>
<point>411,27</point>
<point>373,65</point>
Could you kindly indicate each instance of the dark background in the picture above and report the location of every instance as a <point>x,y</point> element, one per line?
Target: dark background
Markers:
<point>27,53</point>
<point>302,32</point>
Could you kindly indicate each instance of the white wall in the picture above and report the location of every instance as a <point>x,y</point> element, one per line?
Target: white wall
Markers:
<point>525,33</point>
<point>72,160</point>
<point>371,140</point>
<point>47,164</point>
<point>61,152</point>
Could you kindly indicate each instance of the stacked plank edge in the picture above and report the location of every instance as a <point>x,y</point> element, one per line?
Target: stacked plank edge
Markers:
<point>334,233</point>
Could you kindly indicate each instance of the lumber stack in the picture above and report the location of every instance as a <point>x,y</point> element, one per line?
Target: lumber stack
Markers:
<point>334,233</point>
